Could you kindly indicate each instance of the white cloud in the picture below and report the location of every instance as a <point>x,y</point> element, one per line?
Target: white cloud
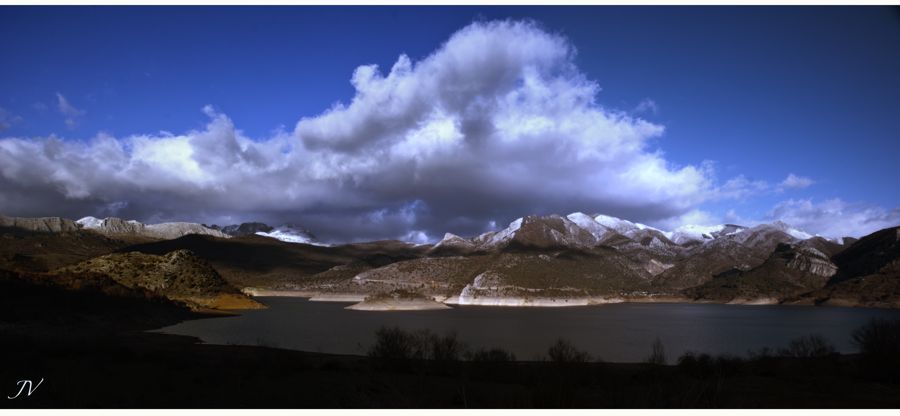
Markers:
<point>498,122</point>
<point>69,111</point>
<point>500,107</point>
<point>647,106</point>
<point>416,237</point>
<point>732,217</point>
<point>692,217</point>
<point>835,218</point>
<point>740,187</point>
<point>795,182</point>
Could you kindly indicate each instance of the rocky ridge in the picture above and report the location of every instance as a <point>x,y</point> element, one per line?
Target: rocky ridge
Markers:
<point>113,226</point>
<point>42,225</point>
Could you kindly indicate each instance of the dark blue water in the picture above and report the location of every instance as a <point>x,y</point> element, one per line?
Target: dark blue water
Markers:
<point>615,333</point>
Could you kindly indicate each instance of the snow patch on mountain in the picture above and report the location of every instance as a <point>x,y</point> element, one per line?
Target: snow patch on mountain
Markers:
<point>689,233</point>
<point>505,234</point>
<point>624,227</point>
<point>90,222</point>
<point>589,224</point>
<point>455,241</point>
<point>616,224</point>
<point>292,234</point>
<point>791,231</point>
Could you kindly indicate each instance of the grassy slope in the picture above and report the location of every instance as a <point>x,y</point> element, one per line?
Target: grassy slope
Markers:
<point>40,252</point>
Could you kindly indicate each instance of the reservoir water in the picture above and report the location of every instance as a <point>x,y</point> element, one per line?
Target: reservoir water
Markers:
<point>614,333</point>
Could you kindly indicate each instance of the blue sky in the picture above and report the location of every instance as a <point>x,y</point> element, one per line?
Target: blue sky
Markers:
<point>744,94</point>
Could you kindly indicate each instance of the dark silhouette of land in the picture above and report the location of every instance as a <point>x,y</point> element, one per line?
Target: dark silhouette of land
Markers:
<point>91,349</point>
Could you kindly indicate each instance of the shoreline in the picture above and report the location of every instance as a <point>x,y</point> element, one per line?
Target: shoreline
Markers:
<point>423,304</point>
<point>257,292</point>
<point>337,297</point>
<point>537,302</point>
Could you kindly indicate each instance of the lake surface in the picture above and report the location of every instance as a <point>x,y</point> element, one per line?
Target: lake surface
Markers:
<point>614,333</point>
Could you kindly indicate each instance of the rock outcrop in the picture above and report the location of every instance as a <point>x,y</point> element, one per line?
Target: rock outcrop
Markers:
<point>170,230</point>
<point>40,225</point>
<point>113,226</point>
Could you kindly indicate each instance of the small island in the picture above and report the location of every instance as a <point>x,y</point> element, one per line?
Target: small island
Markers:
<point>398,300</point>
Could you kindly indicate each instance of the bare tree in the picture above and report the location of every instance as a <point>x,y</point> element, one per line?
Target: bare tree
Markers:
<point>657,353</point>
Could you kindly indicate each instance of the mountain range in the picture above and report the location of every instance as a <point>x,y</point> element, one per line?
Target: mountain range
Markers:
<point>548,260</point>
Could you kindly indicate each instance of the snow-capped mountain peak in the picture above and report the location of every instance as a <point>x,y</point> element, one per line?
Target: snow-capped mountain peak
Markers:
<point>580,230</point>
<point>453,241</point>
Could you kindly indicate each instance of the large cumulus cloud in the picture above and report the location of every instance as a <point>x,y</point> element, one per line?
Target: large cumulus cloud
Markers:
<point>496,123</point>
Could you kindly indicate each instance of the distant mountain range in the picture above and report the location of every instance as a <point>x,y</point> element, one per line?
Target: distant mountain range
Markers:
<point>535,261</point>
<point>115,226</point>
<point>602,228</point>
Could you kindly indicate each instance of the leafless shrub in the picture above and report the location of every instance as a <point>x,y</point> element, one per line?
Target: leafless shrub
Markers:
<point>397,344</point>
<point>493,355</point>
<point>657,353</point>
<point>563,352</point>
<point>809,346</point>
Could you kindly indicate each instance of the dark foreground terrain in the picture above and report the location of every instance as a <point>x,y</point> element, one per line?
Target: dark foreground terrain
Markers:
<point>90,349</point>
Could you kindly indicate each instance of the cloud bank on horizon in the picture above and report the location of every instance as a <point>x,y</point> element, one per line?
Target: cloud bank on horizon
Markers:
<point>497,123</point>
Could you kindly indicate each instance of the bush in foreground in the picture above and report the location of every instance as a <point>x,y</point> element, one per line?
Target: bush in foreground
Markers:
<point>563,352</point>
<point>701,365</point>
<point>879,345</point>
<point>492,355</point>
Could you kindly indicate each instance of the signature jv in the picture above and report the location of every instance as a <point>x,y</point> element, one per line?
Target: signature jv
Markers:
<point>22,385</point>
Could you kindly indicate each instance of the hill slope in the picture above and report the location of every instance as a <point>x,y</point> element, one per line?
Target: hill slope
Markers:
<point>868,273</point>
<point>179,275</point>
